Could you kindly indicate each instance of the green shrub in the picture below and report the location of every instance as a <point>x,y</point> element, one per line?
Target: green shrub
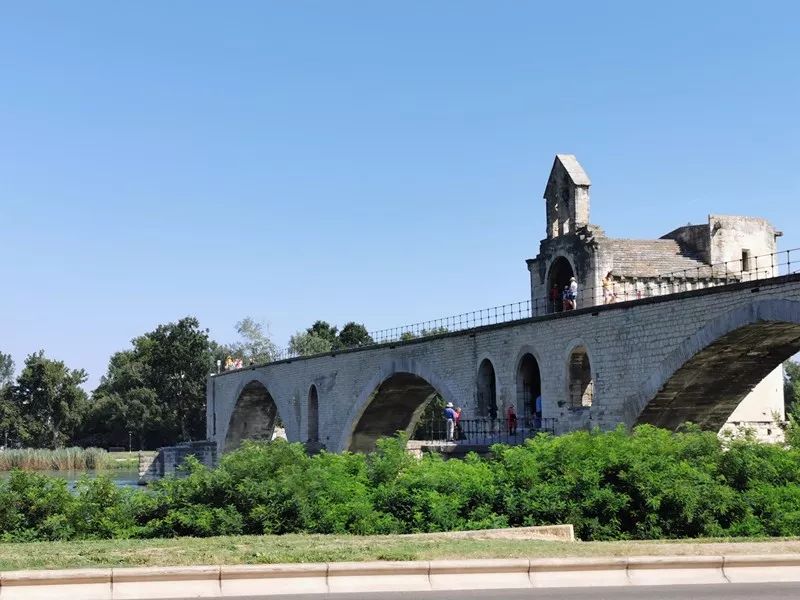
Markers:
<point>648,483</point>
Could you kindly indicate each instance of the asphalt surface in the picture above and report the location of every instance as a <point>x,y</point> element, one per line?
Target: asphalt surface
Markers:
<point>730,591</point>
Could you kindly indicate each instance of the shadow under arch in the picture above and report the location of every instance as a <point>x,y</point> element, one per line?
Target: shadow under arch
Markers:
<point>392,401</point>
<point>254,416</point>
<point>708,375</point>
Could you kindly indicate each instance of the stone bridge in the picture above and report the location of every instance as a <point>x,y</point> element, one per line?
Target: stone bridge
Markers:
<point>689,356</point>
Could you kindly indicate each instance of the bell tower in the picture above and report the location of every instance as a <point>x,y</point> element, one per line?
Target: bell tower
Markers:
<point>567,196</point>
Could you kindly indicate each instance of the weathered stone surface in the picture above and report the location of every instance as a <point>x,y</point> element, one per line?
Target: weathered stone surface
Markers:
<point>640,352</point>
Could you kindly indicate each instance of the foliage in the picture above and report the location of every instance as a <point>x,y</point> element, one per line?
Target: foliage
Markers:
<point>256,346</point>
<point>308,344</point>
<point>410,335</point>
<point>46,401</point>
<point>649,483</point>
<point>354,335</point>
<point>155,390</point>
<point>61,459</point>
<point>323,337</point>
<point>791,386</point>
<point>6,370</point>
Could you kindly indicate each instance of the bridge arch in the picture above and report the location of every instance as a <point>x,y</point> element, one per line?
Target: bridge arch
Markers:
<point>391,401</point>
<point>704,379</point>
<point>254,415</point>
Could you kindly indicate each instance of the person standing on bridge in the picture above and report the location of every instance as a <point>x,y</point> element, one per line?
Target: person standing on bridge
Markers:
<point>450,419</point>
<point>607,288</point>
<point>459,433</point>
<point>511,420</point>
<point>573,293</point>
<point>554,298</point>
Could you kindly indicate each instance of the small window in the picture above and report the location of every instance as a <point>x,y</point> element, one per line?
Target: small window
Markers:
<point>581,383</point>
<point>745,260</point>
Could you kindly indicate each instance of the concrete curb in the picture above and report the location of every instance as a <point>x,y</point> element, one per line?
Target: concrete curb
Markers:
<point>248,580</point>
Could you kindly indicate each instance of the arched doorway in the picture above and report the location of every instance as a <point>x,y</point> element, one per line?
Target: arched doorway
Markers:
<point>487,390</point>
<point>529,390</point>
<point>559,275</point>
<point>313,415</point>
<point>395,405</point>
<point>581,384</point>
<point>253,417</point>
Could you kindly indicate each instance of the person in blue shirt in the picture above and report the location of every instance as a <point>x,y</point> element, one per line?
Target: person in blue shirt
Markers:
<point>450,417</point>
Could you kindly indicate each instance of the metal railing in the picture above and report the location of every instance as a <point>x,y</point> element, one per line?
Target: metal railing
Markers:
<point>482,432</point>
<point>621,289</point>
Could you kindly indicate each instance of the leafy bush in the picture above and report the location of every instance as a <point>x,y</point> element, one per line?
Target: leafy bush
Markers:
<point>648,483</point>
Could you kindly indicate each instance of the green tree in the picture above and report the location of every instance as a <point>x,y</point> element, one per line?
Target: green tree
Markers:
<point>9,415</point>
<point>354,335</point>
<point>325,331</point>
<point>791,386</point>
<point>6,370</point>
<point>256,346</point>
<point>156,390</point>
<point>308,344</point>
<point>323,337</point>
<point>47,396</point>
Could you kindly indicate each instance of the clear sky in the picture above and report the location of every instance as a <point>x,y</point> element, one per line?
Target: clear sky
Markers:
<point>382,162</point>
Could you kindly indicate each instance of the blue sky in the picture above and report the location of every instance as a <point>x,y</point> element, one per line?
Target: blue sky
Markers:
<point>370,161</point>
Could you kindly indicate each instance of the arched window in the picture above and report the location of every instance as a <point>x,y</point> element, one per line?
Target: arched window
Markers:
<point>313,414</point>
<point>529,389</point>
<point>487,390</point>
<point>558,277</point>
<point>581,384</point>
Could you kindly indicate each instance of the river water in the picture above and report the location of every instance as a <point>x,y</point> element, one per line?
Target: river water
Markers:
<point>122,477</point>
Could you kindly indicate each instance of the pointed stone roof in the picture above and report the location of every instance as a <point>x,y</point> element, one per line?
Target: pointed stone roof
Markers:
<point>573,169</point>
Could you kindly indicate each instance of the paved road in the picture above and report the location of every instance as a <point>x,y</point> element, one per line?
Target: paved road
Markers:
<point>760,591</point>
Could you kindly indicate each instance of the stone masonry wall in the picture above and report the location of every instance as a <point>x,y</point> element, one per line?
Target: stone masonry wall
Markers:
<point>633,349</point>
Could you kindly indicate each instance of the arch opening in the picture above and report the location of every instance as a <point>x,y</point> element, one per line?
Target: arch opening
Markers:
<point>581,383</point>
<point>529,391</point>
<point>559,276</point>
<point>487,390</point>
<point>396,405</point>
<point>708,387</point>
<point>253,418</point>
<point>313,414</point>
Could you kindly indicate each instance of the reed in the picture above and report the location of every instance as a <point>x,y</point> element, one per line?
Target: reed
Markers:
<point>60,459</point>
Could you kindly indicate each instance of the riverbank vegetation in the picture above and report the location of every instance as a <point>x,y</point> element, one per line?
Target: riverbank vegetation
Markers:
<point>648,484</point>
<point>61,459</point>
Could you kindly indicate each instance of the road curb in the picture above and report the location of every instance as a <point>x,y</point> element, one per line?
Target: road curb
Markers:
<point>145,583</point>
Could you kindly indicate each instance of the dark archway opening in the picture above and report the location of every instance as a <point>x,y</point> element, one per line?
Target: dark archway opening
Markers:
<point>529,391</point>
<point>559,276</point>
<point>711,384</point>
<point>581,383</point>
<point>313,414</point>
<point>396,405</point>
<point>487,390</point>
<point>253,417</point>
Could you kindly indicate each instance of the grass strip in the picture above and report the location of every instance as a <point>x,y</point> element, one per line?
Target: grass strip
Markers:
<point>333,548</point>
